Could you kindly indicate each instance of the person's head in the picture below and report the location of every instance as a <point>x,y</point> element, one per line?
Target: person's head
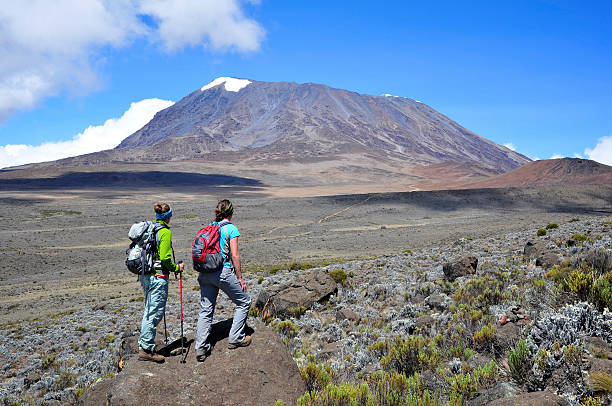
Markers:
<point>162,212</point>
<point>224,210</point>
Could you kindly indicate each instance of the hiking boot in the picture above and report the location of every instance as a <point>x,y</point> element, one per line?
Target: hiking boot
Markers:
<point>202,357</point>
<point>146,355</point>
<point>243,343</point>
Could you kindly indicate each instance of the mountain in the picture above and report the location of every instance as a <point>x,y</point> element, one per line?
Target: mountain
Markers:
<point>290,121</point>
<point>564,171</point>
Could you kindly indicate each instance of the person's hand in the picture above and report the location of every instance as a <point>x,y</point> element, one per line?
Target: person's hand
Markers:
<point>181,266</point>
<point>242,284</point>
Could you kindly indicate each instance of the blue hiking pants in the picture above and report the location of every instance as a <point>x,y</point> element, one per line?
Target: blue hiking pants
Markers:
<point>155,292</point>
<point>210,283</point>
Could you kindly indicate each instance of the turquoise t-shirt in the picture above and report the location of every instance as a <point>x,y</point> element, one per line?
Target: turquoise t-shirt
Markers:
<point>227,232</point>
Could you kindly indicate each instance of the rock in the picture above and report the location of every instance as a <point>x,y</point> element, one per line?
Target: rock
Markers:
<point>533,248</point>
<point>600,259</point>
<point>464,266</point>
<point>424,321</point>
<point>259,374</point>
<point>305,290</point>
<point>547,260</point>
<point>347,314</point>
<point>502,390</point>
<point>601,365</point>
<point>329,350</point>
<point>530,399</point>
<point>438,301</point>
<point>507,336</point>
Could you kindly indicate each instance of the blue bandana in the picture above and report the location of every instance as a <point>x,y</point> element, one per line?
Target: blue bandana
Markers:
<point>164,216</point>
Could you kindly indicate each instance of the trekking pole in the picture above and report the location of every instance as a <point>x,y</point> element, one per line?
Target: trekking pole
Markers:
<point>182,337</point>
<point>165,329</point>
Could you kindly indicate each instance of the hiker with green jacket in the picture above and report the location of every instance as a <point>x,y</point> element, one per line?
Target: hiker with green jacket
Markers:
<point>155,286</point>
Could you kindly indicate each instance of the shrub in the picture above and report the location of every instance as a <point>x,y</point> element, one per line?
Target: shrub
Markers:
<point>48,362</point>
<point>65,380</point>
<point>590,401</point>
<point>260,280</point>
<point>485,335</point>
<point>339,275</point>
<point>481,292</point>
<point>579,237</point>
<point>602,381</point>
<point>345,394</point>
<point>464,386</point>
<point>579,281</point>
<point>287,328</point>
<point>550,226</point>
<point>541,232</point>
<point>297,311</point>
<point>602,291</point>
<point>316,376</point>
<point>410,355</point>
<point>518,362</point>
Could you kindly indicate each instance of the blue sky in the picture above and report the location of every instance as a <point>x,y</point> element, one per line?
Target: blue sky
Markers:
<point>534,74</point>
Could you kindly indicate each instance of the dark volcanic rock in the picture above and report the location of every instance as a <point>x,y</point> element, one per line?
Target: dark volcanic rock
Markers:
<point>304,291</point>
<point>533,248</point>
<point>259,374</point>
<point>547,260</point>
<point>532,399</point>
<point>464,266</point>
<point>484,397</point>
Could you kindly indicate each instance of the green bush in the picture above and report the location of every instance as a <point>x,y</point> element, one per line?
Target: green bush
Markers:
<point>339,275</point>
<point>48,362</point>
<point>579,237</point>
<point>465,385</point>
<point>602,291</point>
<point>541,232</point>
<point>485,336</point>
<point>410,355</point>
<point>518,362</point>
<point>287,328</point>
<point>317,376</point>
<point>297,311</point>
<point>550,226</point>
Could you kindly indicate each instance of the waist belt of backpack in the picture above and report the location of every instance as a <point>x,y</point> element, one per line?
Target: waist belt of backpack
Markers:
<point>162,275</point>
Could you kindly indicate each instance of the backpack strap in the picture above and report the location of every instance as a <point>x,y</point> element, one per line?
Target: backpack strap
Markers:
<point>222,225</point>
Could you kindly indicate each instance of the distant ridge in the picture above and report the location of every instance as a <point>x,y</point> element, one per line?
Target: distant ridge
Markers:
<point>549,172</point>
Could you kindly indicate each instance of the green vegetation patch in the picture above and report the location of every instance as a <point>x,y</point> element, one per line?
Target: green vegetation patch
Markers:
<point>339,275</point>
<point>541,232</point>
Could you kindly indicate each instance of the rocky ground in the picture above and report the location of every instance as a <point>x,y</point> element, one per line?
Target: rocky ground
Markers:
<point>471,321</point>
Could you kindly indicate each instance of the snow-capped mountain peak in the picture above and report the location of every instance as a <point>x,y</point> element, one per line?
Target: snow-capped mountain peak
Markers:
<point>231,84</point>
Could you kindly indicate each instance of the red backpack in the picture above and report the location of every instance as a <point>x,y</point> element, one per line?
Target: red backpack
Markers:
<point>206,248</point>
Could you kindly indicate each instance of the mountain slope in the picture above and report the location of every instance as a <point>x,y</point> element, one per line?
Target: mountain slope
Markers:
<point>280,120</point>
<point>564,171</point>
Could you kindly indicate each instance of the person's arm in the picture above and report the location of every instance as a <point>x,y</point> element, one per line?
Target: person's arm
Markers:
<point>165,251</point>
<point>236,261</point>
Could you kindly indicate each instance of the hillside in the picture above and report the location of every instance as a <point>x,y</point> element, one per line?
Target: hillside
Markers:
<point>564,171</point>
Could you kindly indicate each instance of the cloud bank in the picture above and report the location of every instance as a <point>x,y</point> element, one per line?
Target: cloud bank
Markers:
<point>93,139</point>
<point>49,47</point>
<point>602,152</point>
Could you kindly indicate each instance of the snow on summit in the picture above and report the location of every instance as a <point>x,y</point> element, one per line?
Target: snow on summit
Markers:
<point>231,84</point>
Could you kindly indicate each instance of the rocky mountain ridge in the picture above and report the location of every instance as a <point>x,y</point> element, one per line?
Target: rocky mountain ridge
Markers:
<point>283,120</point>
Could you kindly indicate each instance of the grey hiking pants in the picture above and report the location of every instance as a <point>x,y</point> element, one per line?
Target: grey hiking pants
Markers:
<point>210,283</point>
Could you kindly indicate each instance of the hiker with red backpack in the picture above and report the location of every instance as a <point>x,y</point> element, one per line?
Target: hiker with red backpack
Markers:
<point>217,259</point>
<point>154,282</point>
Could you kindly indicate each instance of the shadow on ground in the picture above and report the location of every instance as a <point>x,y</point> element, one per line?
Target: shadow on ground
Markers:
<point>132,180</point>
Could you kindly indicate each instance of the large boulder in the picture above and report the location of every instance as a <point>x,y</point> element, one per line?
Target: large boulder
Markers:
<point>531,399</point>
<point>466,265</point>
<point>302,292</point>
<point>533,248</point>
<point>547,260</point>
<point>600,259</point>
<point>259,374</point>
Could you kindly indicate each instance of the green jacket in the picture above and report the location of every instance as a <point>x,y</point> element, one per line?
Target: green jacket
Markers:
<point>164,248</point>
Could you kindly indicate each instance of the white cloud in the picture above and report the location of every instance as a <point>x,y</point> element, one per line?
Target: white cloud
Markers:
<point>510,146</point>
<point>577,155</point>
<point>220,24</point>
<point>94,138</point>
<point>556,156</point>
<point>602,152</point>
<point>48,47</point>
